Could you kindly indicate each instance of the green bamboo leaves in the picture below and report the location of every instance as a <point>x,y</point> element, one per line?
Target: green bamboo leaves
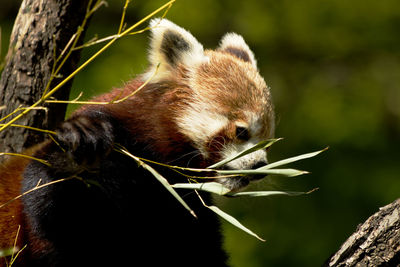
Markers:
<point>293,159</point>
<point>267,169</point>
<point>219,189</point>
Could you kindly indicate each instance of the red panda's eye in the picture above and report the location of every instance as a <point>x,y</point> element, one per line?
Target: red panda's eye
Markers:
<point>242,133</point>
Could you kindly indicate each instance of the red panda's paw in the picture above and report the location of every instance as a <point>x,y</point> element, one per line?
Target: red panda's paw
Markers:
<point>86,139</point>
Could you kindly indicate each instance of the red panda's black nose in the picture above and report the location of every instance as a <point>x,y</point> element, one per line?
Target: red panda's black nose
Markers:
<point>259,165</point>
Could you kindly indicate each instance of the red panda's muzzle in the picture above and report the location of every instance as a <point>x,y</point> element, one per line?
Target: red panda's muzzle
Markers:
<point>236,183</point>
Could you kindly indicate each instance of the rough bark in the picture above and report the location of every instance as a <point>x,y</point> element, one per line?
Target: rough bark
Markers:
<point>375,243</point>
<point>41,27</point>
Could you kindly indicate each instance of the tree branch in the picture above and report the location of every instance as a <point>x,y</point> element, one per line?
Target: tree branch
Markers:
<point>41,31</point>
<point>375,243</point>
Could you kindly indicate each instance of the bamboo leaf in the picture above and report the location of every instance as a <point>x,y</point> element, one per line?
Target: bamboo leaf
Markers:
<point>211,187</point>
<point>292,159</point>
<point>219,189</point>
<point>260,145</point>
<point>165,183</point>
<point>233,221</point>
<point>160,178</point>
<point>283,172</point>
<point>265,193</point>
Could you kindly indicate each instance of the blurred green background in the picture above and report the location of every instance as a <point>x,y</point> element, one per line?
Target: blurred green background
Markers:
<point>334,70</point>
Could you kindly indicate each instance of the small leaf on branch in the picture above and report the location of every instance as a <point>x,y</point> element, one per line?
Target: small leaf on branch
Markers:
<point>233,221</point>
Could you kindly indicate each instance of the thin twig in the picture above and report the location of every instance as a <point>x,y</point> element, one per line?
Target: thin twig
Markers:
<point>123,16</point>
<point>30,128</point>
<point>36,188</point>
<point>26,157</point>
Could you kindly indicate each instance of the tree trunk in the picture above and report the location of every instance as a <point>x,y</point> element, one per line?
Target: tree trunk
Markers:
<point>375,243</point>
<point>41,31</point>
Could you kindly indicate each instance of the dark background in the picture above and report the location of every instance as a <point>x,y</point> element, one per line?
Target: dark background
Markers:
<point>334,70</point>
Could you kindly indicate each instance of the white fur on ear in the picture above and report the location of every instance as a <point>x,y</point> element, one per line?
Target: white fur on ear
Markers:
<point>171,45</point>
<point>234,44</point>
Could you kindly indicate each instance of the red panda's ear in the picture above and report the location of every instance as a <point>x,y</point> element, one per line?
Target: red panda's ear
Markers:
<point>234,44</point>
<point>171,46</point>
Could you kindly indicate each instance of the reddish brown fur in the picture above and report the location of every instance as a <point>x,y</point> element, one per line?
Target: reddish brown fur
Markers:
<point>156,105</point>
<point>10,214</point>
<point>11,171</point>
<point>11,217</point>
<point>11,210</point>
<point>151,110</point>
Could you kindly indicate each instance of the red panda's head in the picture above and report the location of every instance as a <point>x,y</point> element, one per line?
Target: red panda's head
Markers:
<point>226,106</point>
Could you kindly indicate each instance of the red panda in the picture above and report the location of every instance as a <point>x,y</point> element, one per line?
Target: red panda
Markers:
<point>200,106</point>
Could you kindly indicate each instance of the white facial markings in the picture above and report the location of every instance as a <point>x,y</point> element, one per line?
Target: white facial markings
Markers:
<point>242,124</point>
<point>200,124</point>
